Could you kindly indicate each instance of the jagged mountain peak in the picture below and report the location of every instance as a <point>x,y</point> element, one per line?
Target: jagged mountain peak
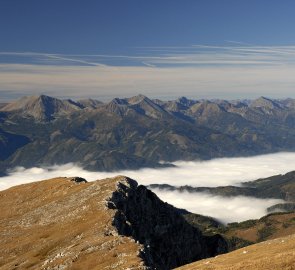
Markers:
<point>89,103</point>
<point>264,102</point>
<point>42,107</point>
<point>119,101</point>
<point>174,106</point>
<point>137,99</point>
<point>146,106</point>
<point>117,106</point>
<point>182,100</point>
<point>289,102</point>
<point>206,108</point>
<point>28,102</point>
<point>186,102</point>
<point>179,104</point>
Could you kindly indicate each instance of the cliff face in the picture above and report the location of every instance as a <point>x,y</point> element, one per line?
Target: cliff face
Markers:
<point>168,240</point>
<point>106,224</point>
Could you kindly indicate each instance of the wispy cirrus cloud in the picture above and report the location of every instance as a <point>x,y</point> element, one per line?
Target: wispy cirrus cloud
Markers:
<point>226,55</point>
<point>195,54</point>
<point>47,59</point>
<point>197,71</point>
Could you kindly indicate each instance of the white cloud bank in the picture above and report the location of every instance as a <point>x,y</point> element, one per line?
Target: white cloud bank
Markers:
<point>216,172</point>
<point>225,209</point>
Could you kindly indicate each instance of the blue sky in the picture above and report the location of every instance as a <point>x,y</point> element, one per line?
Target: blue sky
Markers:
<point>164,48</point>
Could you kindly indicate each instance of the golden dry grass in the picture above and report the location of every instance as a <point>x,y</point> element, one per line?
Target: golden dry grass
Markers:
<point>59,223</point>
<point>277,254</point>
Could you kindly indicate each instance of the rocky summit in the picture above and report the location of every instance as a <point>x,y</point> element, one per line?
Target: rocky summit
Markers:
<point>107,224</point>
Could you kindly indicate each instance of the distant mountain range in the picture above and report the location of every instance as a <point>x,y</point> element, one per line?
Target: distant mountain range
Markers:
<point>139,132</point>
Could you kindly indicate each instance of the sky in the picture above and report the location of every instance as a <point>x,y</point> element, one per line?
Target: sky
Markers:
<point>212,173</point>
<point>163,49</point>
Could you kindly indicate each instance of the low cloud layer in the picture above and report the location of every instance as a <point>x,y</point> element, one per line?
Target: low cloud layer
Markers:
<point>216,172</point>
<point>225,209</point>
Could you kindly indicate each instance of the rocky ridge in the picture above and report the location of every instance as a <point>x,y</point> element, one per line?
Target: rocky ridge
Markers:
<point>108,224</point>
<point>168,239</point>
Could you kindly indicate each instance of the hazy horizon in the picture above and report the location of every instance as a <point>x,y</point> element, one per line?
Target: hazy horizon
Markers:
<point>107,99</point>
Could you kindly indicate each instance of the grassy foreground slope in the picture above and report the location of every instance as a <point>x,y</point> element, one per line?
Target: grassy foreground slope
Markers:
<point>57,223</point>
<point>277,254</point>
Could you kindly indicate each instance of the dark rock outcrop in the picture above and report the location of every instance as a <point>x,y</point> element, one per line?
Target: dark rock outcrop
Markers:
<point>168,240</point>
<point>282,207</point>
<point>78,179</point>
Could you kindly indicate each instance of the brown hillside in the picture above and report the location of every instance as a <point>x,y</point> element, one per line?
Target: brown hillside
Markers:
<point>268,227</point>
<point>108,224</point>
<point>277,254</point>
<point>63,224</point>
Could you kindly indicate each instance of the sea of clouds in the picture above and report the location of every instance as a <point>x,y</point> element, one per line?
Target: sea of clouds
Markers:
<point>212,173</point>
<point>224,209</point>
